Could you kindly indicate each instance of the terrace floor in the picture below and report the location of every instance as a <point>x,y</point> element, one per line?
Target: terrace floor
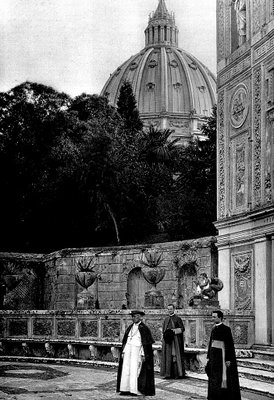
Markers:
<point>35,381</point>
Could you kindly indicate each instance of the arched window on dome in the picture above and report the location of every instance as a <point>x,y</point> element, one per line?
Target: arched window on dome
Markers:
<point>165,30</point>
<point>153,34</point>
<point>159,33</point>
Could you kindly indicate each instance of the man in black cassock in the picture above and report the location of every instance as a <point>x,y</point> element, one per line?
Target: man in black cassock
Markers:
<point>221,368</point>
<point>172,364</point>
<point>136,366</point>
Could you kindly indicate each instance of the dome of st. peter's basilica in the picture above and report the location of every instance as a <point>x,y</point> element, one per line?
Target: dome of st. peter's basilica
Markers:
<point>172,88</point>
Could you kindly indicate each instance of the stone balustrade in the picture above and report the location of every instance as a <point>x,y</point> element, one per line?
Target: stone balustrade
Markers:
<point>97,334</point>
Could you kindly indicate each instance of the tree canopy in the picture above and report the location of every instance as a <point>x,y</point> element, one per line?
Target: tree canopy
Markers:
<point>78,172</point>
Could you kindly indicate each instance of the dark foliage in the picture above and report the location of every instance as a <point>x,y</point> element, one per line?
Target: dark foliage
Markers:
<point>78,172</point>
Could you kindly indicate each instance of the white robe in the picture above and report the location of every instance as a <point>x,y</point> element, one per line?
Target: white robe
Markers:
<point>132,361</point>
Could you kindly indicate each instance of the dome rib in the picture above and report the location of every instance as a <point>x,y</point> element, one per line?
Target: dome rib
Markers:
<point>189,82</point>
<point>140,72</point>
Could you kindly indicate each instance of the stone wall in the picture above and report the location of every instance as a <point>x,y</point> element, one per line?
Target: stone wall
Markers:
<point>21,281</point>
<point>120,283</point>
<point>31,281</point>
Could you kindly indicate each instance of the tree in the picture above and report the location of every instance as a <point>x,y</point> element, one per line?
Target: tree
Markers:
<point>127,109</point>
<point>28,123</point>
<point>191,208</point>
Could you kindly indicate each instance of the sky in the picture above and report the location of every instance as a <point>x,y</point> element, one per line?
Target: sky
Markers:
<point>74,45</point>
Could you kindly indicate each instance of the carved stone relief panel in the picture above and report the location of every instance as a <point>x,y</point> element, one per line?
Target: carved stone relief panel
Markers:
<point>66,328</point>
<point>111,329</point>
<point>88,328</point>
<point>192,333</point>
<point>42,327</point>
<point>155,328</point>
<point>268,158</point>
<point>257,151</point>
<point>239,173</point>
<point>240,332</point>
<point>270,87</point>
<point>242,265</point>
<point>207,331</point>
<point>18,327</point>
<point>239,106</point>
<point>221,160</point>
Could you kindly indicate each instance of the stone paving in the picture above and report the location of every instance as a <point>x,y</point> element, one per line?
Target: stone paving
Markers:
<point>25,381</point>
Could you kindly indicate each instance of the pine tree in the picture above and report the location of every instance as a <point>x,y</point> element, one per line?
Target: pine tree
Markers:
<point>127,108</point>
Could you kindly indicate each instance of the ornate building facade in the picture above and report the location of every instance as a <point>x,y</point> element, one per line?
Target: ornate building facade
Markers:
<point>172,88</point>
<point>245,32</point>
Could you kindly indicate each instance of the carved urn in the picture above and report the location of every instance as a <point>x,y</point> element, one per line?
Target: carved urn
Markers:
<point>153,273</point>
<point>85,276</point>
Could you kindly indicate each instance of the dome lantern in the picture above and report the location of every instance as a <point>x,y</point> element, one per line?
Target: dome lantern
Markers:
<point>161,28</point>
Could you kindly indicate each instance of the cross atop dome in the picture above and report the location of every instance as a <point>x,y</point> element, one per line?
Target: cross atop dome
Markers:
<point>161,29</point>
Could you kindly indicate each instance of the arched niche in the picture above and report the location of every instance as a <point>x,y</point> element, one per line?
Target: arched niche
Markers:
<point>137,286</point>
<point>187,279</point>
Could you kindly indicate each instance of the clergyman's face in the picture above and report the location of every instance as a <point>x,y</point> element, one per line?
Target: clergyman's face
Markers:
<point>136,318</point>
<point>216,319</point>
<point>170,310</point>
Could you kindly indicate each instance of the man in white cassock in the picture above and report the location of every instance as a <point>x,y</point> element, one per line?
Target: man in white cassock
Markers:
<point>136,369</point>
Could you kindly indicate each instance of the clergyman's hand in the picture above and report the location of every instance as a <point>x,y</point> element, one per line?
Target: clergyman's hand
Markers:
<point>142,358</point>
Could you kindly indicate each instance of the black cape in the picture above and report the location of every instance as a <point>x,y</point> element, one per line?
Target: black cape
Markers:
<point>214,367</point>
<point>146,383</point>
<point>168,369</point>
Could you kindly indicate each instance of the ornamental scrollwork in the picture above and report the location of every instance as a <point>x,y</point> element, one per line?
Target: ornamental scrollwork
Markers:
<point>257,135</point>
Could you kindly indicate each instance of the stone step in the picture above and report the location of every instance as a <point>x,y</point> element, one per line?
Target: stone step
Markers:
<point>263,347</point>
<point>254,363</point>
<point>256,374</point>
<point>263,355</point>
<point>254,390</point>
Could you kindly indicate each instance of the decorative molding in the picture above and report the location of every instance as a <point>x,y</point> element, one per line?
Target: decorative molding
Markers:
<point>227,24</point>
<point>264,48</point>
<point>221,29</point>
<point>178,123</point>
<point>221,161</point>
<point>257,150</point>
<point>241,66</point>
